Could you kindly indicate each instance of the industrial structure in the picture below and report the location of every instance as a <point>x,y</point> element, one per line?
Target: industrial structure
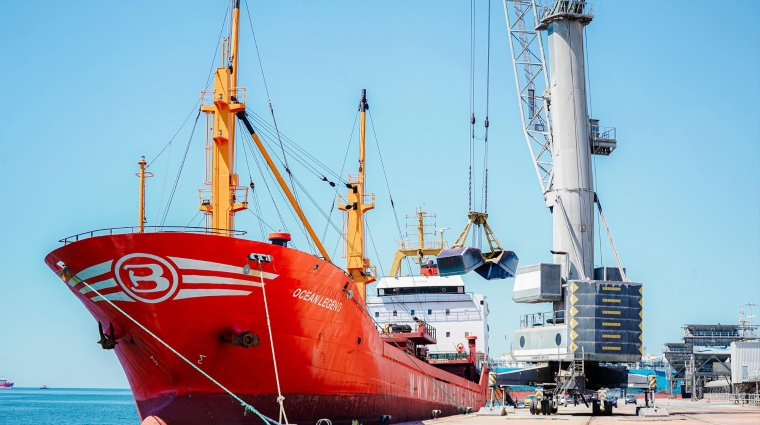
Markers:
<point>594,325</point>
<point>702,363</point>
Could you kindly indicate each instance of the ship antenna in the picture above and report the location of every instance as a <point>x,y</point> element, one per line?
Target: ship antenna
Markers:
<point>142,174</point>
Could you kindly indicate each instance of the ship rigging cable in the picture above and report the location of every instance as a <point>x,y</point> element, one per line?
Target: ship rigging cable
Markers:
<point>301,155</point>
<point>195,108</point>
<point>296,182</point>
<point>179,172</point>
<point>411,359</point>
<point>311,243</point>
<point>393,207</point>
<point>249,144</point>
<point>65,271</point>
<point>254,195</point>
<point>342,167</point>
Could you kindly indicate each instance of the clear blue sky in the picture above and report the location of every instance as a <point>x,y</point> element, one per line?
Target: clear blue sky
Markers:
<point>90,86</point>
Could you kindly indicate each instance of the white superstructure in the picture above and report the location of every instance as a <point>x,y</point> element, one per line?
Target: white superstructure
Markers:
<point>440,301</point>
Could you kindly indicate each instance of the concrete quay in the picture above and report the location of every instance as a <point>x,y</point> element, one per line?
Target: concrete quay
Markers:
<point>682,412</point>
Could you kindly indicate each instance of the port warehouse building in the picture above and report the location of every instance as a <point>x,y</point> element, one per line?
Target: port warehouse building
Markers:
<point>714,359</point>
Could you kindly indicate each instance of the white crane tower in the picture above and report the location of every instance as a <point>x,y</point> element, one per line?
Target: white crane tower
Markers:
<point>560,135</point>
<point>596,319</point>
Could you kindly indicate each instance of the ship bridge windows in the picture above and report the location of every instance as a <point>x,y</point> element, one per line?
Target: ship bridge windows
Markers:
<point>421,290</point>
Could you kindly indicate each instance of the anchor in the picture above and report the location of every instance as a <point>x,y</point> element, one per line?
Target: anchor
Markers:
<point>459,259</point>
<point>107,340</point>
<point>244,339</point>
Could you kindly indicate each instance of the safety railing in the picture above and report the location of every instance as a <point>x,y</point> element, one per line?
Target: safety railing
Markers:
<point>407,244</point>
<point>368,199</point>
<point>603,133</point>
<point>151,229</point>
<point>447,356</point>
<point>502,364</point>
<point>234,95</point>
<point>542,319</point>
<point>237,95</point>
<point>239,195</point>
<point>406,317</point>
<point>732,334</point>
<point>427,329</point>
<point>743,399</point>
<point>577,8</point>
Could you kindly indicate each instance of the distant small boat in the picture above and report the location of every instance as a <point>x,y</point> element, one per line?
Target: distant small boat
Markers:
<point>44,387</point>
<point>5,384</point>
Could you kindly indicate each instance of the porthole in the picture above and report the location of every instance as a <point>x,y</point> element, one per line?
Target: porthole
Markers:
<point>522,342</point>
<point>558,339</point>
<point>359,340</point>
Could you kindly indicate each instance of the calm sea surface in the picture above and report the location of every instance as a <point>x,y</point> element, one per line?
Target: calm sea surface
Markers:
<point>32,406</point>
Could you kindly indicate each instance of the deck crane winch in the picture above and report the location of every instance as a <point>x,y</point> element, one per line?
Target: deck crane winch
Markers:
<point>596,317</point>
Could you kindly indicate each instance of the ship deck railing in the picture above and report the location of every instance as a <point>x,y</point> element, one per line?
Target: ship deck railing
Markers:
<point>409,244</point>
<point>420,333</point>
<point>404,317</point>
<point>448,358</point>
<point>734,334</point>
<point>151,229</point>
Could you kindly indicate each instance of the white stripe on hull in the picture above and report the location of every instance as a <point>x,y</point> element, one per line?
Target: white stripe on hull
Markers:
<point>108,283</point>
<point>190,264</point>
<point>90,272</point>
<point>195,293</point>
<point>116,296</point>
<point>218,280</point>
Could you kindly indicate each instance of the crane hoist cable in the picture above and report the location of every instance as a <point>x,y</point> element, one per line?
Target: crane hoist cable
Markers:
<point>484,199</point>
<point>472,100</point>
<point>497,263</point>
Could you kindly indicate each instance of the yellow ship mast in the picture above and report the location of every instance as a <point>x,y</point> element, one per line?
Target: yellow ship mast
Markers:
<point>226,99</point>
<point>355,205</point>
<point>422,249</point>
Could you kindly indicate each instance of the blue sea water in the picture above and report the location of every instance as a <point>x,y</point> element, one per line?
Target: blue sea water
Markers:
<point>67,406</point>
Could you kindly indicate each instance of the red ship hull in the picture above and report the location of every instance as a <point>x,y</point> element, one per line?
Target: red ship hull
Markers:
<point>191,292</point>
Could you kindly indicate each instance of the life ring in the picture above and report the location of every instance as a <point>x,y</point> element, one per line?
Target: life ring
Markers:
<point>460,347</point>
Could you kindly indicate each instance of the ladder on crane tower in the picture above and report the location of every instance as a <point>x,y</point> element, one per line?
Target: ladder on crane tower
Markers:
<point>574,377</point>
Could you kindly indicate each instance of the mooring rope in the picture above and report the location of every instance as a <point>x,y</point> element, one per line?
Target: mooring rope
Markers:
<point>280,398</point>
<point>247,407</point>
